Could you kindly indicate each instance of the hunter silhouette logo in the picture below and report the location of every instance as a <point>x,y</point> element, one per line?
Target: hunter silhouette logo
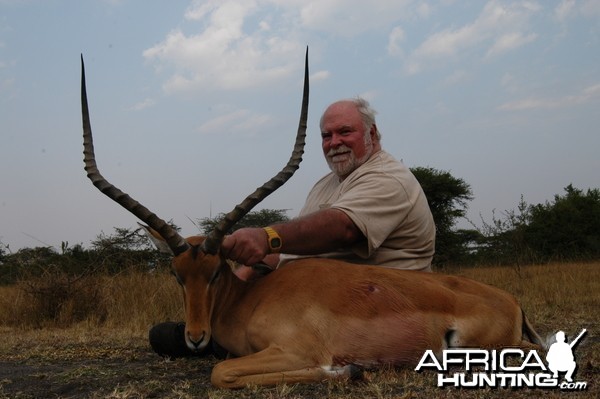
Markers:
<point>560,355</point>
<point>507,368</point>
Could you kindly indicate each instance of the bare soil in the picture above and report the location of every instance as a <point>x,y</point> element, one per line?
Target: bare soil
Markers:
<point>75,367</point>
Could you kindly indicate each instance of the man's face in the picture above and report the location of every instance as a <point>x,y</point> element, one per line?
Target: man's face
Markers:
<point>345,144</point>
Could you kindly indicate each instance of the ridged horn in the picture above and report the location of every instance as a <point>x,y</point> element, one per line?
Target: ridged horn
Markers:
<point>173,239</point>
<point>213,241</point>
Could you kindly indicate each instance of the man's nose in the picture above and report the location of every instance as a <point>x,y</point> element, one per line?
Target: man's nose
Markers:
<point>336,140</point>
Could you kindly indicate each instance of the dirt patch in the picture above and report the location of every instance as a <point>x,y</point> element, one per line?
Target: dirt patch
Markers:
<point>92,369</point>
<point>142,377</point>
<point>75,364</point>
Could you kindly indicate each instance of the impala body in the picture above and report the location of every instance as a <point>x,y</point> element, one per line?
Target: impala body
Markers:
<point>316,319</point>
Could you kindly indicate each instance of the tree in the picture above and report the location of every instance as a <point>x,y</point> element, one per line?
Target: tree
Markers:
<point>126,248</point>
<point>4,251</point>
<point>503,240</point>
<point>264,217</point>
<point>568,227</point>
<point>447,197</point>
<point>123,238</point>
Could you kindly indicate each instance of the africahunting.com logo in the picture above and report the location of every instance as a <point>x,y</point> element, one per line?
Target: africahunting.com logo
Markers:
<point>507,368</point>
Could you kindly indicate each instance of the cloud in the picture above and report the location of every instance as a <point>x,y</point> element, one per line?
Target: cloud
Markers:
<point>592,90</point>
<point>584,96</point>
<point>570,8</point>
<point>146,103</point>
<point>320,75</point>
<point>590,8</point>
<point>241,120</point>
<point>395,38</point>
<point>349,18</point>
<point>564,9</point>
<point>510,41</point>
<point>239,44</point>
<point>498,28</point>
<point>228,53</point>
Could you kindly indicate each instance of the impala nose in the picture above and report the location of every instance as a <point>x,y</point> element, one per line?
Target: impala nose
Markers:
<point>196,341</point>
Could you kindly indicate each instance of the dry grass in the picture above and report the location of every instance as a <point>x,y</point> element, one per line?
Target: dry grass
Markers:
<point>130,301</point>
<point>550,294</point>
<point>110,357</point>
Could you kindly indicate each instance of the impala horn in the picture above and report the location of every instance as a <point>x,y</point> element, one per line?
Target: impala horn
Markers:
<point>176,243</point>
<point>213,242</point>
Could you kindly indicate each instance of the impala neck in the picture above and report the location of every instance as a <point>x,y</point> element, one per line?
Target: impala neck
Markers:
<point>232,307</point>
<point>229,290</point>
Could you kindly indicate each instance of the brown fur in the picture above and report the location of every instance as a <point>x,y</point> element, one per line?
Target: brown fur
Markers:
<point>315,318</point>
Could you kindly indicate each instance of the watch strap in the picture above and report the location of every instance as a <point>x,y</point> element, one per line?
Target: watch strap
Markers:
<point>273,239</point>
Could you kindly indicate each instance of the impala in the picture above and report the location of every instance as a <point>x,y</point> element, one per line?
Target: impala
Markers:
<point>317,319</point>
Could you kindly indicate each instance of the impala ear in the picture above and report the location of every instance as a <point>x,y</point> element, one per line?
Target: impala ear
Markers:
<point>156,239</point>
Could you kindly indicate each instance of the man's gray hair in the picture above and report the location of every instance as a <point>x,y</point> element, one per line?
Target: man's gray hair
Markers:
<point>366,112</point>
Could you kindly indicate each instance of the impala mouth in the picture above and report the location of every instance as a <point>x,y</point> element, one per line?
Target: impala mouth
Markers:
<point>197,345</point>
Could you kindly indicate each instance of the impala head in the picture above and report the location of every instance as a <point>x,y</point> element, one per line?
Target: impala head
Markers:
<point>196,271</point>
<point>196,260</point>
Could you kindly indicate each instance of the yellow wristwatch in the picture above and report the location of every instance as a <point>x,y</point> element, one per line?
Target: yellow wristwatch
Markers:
<point>273,239</point>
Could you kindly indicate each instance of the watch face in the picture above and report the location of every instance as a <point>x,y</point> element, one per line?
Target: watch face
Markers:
<point>275,242</point>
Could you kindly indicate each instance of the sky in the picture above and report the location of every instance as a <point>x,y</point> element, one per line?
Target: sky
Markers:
<point>194,104</point>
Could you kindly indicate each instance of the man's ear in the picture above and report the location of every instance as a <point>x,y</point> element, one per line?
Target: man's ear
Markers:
<point>156,239</point>
<point>373,132</point>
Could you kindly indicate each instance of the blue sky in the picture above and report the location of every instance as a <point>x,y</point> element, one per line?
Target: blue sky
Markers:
<point>195,103</point>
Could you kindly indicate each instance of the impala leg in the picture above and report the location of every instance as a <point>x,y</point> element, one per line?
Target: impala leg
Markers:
<point>273,366</point>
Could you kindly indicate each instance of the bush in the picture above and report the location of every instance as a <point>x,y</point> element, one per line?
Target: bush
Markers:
<point>57,299</point>
<point>132,301</point>
<point>566,229</point>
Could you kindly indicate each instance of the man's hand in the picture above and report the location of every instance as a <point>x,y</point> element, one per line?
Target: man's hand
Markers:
<point>246,246</point>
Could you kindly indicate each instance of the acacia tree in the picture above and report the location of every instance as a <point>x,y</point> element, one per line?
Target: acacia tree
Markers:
<point>127,248</point>
<point>261,218</point>
<point>447,197</point>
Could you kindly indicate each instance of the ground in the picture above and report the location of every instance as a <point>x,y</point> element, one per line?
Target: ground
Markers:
<point>112,359</point>
<point>70,365</point>
<point>76,363</point>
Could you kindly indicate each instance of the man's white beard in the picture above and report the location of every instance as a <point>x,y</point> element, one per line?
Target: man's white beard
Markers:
<point>346,163</point>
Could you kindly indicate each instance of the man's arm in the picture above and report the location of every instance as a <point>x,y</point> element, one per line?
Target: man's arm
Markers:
<point>323,231</point>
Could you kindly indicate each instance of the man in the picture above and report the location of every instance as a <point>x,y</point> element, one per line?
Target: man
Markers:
<point>369,210</point>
